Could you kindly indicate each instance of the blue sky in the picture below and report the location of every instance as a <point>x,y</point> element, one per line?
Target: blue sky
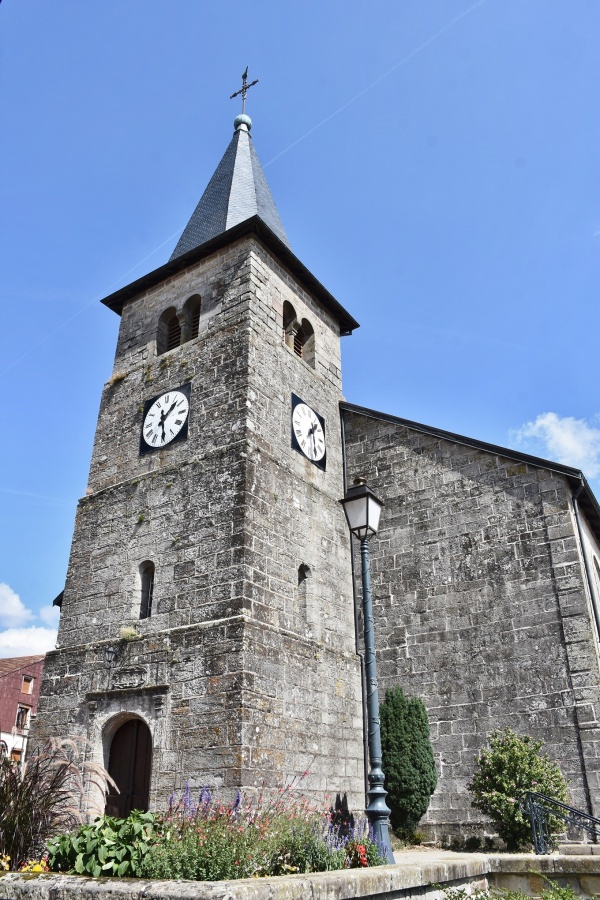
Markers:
<point>435,165</point>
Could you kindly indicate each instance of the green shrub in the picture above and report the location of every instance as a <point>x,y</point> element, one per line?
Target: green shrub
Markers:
<point>108,846</point>
<point>408,763</point>
<point>509,767</point>
<point>42,798</point>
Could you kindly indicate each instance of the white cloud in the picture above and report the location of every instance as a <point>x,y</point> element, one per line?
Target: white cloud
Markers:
<point>50,615</point>
<point>12,611</point>
<point>17,636</point>
<point>572,442</point>
<point>26,641</point>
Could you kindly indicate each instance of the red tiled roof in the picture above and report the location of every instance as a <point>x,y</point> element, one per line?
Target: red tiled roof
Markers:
<point>18,662</point>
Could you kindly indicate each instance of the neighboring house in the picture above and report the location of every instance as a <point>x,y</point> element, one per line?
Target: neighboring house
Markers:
<point>20,679</point>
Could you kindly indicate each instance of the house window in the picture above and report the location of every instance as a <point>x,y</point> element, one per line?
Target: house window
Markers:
<point>27,686</point>
<point>3,749</point>
<point>15,755</point>
<point>22,721</point>
<point>147,589</point>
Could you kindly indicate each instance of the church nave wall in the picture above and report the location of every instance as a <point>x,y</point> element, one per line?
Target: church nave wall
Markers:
<point>480,604</point>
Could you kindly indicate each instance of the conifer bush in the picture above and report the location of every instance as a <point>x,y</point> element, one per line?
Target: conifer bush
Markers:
<point>509,767</point>
<point>408,763</point>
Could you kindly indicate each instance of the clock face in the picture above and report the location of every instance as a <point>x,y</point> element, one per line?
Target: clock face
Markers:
<point>308,432</point>
<point>165,419</point>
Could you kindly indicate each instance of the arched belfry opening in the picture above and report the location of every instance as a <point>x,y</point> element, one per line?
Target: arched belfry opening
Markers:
<point>169,331</point>
<point>129,765</point>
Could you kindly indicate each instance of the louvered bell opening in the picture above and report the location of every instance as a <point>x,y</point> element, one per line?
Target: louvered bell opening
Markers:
<point>195,323</point>
<point>298,342</point>
<point>173,333</point>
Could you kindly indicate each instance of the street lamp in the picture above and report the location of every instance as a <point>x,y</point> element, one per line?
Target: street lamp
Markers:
<point>362,510</point>
<point>110,654</point>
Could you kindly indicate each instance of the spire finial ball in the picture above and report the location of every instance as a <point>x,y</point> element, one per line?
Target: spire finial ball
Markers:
<point>242,122</point>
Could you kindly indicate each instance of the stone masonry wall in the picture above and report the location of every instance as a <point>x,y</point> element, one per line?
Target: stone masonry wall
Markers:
<point>480,605</point>
<point>244,675</point>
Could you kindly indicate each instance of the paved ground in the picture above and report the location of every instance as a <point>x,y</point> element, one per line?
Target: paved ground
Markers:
<point>418,856</point>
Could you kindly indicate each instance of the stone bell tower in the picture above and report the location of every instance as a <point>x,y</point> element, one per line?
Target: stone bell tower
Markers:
<point>207,627</point>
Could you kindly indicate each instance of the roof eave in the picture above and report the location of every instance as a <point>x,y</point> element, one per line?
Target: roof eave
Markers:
<point>261,230</point>
<point>576,478</point>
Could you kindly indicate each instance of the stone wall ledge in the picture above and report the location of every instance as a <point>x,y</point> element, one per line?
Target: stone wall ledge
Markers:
<point>381,882</point>
<point>417,875</point>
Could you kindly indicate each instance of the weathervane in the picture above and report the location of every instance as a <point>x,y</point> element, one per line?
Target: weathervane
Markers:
<point>244,89</point>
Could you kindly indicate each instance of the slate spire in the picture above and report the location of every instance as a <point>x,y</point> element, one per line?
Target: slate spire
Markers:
<point>237,191</point>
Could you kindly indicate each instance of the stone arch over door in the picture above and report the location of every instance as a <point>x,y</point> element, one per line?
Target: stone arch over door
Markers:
<point>130,765</point>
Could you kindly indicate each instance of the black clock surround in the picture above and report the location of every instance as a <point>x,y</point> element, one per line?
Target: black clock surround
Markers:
<point>147,446</point>
<point>306,419</point>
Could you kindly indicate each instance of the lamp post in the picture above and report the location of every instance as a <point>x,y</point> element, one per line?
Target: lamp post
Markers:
<point>362,509</point>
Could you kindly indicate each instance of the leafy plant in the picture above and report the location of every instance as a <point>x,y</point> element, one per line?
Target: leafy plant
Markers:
<point>408,763</point>
<point>509,767</point>
<point>108,846</point>
<point>44,797</point>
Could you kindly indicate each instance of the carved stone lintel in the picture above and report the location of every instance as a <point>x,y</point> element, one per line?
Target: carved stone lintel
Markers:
<point>129,678</point>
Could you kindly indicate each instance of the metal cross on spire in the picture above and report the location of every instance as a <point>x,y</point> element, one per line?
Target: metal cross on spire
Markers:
<point>244,89</point>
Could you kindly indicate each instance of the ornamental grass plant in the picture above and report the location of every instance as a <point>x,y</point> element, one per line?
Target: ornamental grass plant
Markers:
<point>43,798</point>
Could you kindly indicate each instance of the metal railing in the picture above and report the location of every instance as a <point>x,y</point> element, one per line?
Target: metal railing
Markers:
<point>541,809</point>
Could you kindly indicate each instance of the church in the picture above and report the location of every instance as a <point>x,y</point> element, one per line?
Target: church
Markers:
<point>209,628</point>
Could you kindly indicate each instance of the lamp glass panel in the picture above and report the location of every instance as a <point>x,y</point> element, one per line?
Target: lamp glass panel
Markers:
<point>356,512</point>
<point>374,513</point>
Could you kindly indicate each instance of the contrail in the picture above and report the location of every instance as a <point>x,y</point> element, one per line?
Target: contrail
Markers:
<point>402,62</point>
<point>381,78</point>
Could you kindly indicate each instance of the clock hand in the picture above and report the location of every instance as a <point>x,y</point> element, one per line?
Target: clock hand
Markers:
<point>162,423</point>
<point>164,416</point>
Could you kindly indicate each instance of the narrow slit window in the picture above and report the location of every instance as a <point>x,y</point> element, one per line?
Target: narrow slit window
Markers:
<point>147,589</point>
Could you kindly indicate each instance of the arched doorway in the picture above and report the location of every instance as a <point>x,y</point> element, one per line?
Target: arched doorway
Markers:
<point>129,763</point>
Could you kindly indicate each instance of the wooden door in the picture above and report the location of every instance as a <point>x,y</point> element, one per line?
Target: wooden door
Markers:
<point>130,762</point>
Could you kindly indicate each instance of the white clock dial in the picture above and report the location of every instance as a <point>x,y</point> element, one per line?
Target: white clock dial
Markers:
<point>308,431</point>
<point>165,419</point>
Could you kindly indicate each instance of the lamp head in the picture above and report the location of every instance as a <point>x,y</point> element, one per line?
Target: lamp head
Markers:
<point>362,509</point>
